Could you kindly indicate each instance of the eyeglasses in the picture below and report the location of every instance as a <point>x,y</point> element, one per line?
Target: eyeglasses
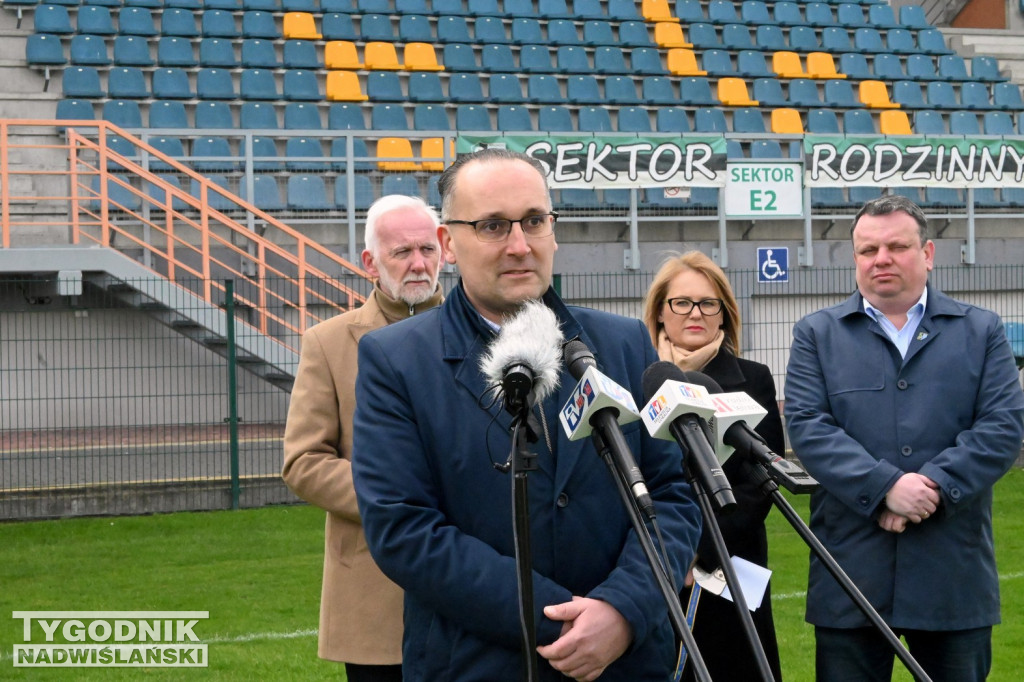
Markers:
<point>498,229</point>
<point>684,306</point>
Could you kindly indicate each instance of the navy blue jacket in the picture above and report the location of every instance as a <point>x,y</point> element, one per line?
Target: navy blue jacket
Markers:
<point>438,515</point>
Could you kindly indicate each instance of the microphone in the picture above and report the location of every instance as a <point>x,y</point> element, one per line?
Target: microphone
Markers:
<point>524,359</point>
<point>678,410</point>
<point>730,426</point>
<point>598,406</point>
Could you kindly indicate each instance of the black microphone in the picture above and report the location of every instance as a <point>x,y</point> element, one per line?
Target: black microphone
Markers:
<point>597,406</point>
<point>676,411</point>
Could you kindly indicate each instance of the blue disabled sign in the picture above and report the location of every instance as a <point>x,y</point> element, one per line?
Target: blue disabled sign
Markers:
<point>773,264</point>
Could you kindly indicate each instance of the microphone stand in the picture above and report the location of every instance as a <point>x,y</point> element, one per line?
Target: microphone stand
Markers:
<point>731,579</point>
<point>760,476</point>
<point>522,462</point>
<point>658,569</point>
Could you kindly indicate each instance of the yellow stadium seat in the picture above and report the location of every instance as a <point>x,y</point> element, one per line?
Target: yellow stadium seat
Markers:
<point>343,86</point>
<point>683,62</point>
<point>894,122</point>
<point>874,95</point>
<point>433,148</point>
<point>398,151</point>
<point>300,26</point>
<point>381,56</point>
<point>657,10</point>
<point>822,65</point>
<point>732,92</point>
<point>667,34</point>
<point>420,57</point>
<point>787,65</point>
<point>787,121</point>
<point>341,54</point>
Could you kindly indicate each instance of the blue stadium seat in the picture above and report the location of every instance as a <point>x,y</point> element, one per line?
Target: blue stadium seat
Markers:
<point>388,117</point>
<point>362,191</point>
<point>489,30</point>
<point>931,41</point>
<point>497,58</point>
<point>430,117</point>
<point>928,122</point>
<point>703,35</point>
<point>543,89</point>
<point>659,90</point>
<point>646,61</point>
<point>1007,96</point>
<point>425,86</point>
<point>598,33</point>
<point>854,65</point>
<point>868,40</point>
<point>997,123</point>
<point>861,195</point>
<point>721,12</point>
<point>752,64</point>
<point>136,21</point>
<point>822,121</point>
<point>986,197</point>
<point>373,7</point>
<point>554,119</point>
<point>414,28</point>
<point>583,89</point>
<point>591,119</point>
<point>770,38</point>
<point>483,8</point>
<point>858,122</point>
<point>301,54</point>
<point>213,154</point>
<point>708,120</point>
<point>265,156</point>
<point>912,193</point>
<point>672,120</point>
<point>850,15</point>
<point>572,59</point>
<point>908,95</point>
<point>768,92</point>
<point>941,95</point>
<point>176,21</point>
<point>696,91</point>
<point>52,19</point>
<point>459,57</point>
<point>219,52</point>
<point>376,27</point>
<point>921,67</point>
<point>787,13</point>
<point>400,184</point>
<point>984,68</point>
<point>587,9</point>
<point>453,29</point>
<point>43,49</point>
<point>210,115</point>
<point>880,15</point>
<point>259,53</point>
<point>214,83</point>
<point>840,94</point>
<point>403,7</point>
<point>748,120</point>
<point>95,20</point>
<point>218,23</point>
<point>819,15</point>
<point>304,154</point>
<point>803,39</point>
<point>717,63</point>
<point>912,16</point>
<point>230,5</point>
<point>576,198</point>
<point>827,197</point>
<point>754,13</point>
<point>160,196</point>
<point>553,9</point>
<point>514,118</point>
<point>169,146</point>
<point>964,123</point>
<point>360,155</point>
<point>634,34</point>
<point>122,112</point>
<point>737,37</point>
<point>975,95</point>
<point>258,116</point>
<point>563,32</point>
<point>620,90</point>
<point>465,87</point>
<point>803,92</point>
<point>952,67</point>
<point>302,85</point>
<point>527,31</point>
<point>889,67</point>
<point>259,24</point>
<point>338,26</point>
<point>504,88</point>
<point>132,51</point>
<point>534,59</point>
<point>120,197</point>
<point>345,116</point>
<point>82,82</point>
<point>302,116</point>
<point>168,114</point>
<point>836,39</point>
<point>258,84</point>
<point>447,7</point>
<point>766,149</point>
<point>307,193</point>
<point>1013,196</point>
<point>900,41</point>
<point>472,117</point>
<point>312,6</point>
<point>176,51</point>
<point>633,120</point>
<point>521,8</point>
<point>270,5</point>
<point>127,83</point>
<point>943,197</point>
<point>689,11</point>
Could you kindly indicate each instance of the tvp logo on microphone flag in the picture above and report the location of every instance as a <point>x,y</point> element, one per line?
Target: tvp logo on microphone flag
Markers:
<point>594,392</point>
<point>674,399</point>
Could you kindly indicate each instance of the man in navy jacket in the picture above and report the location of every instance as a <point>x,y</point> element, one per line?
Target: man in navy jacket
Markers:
<point>437,513</point>
<point>906,406</point>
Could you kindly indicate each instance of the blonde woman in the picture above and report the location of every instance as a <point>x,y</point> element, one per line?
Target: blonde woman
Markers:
<point>694,322</point>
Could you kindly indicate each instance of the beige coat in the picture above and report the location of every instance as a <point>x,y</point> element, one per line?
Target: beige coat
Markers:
<point>360,609</point>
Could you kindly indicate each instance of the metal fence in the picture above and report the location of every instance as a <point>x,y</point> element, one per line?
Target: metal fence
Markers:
<point>105,409</point>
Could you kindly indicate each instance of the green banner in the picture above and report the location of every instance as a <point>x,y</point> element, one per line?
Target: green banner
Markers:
<point>611,161</point>
<point>911,161</point>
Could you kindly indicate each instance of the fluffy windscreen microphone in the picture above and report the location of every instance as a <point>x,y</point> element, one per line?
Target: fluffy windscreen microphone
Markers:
<point>526,357</point>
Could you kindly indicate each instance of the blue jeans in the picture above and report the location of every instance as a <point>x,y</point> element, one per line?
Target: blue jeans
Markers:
<point>864,655</point>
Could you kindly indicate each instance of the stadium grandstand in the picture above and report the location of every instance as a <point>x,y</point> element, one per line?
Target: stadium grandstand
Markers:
<point>162,160</point>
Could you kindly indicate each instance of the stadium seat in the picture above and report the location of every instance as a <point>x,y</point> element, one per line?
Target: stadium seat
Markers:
<point>489,30</point>
<point>572,59</point>
<point>302,85</point>
<point>633,120</point>
<point>732,92</point>
<point>952,67</point>
<point>420,57</point>
<point>338,26</point>
<point>258,116</point>
<point>259,53</point>
<point>769,38</point>
<point>380,56</point>
<point>610,60</point>
<point>717,63</point>
<point>620,90</point>
<point>343,116</point>
<point>710,120</point>
<point>748,120</point>
<point>668,34</point>
<point>854,65</point>
<point>593,119</point>
<point>861,195</point>
<point>341,54</point>
<point>672,120</point>
<point>526,31</point>
<point>900,41</point>
<point>300,25</point>
<point>787,121</point>
<point>52,19</point>
<point>472,117</point>
<point>543,89</point>
<point>168,114</point>
<point>827,197</point>
<point>912,16</point>
<point>836,40</point>
<point>880,15</point>
<point>532,59</point>
<point>360,155</point>
<point>343,86</point>
<point>986,68</point>
<point>850,15</point>
<point>118,194</point>
<point>1007,96</point>
<point>703,35</point>
<point>264,154</point>
<point>820,65</point>
<point>577,198</point>
<point>176,21</point>
<point>894,122</point>
<point>634,34</point>
<point>42,49</point>
<point>136,21</point>
<point>619,10</point>
<point>840,94</point>
<point>874,95</point>
<point>373,7</point>
<point>123,113</point>
<point>168,146</point>
<point>696,91</point>
<point>822,121</point>
<point>430,117</point>
<point>453,29</point>
<point>646,61</point>
<point>400,184</point>
<point>787,14</point>
<point>514,118</point>
<point>554,119</point>
<point>997,123</point>
<point>581,89</point>
<point>921,67</point>
<point>803,92</point>
<point>888,67</point>
<point>787,65</point>
<point>752,64</point>
<point>266,194</point>
<point>908,95</point>
<point>414,28</point>
<point>425,86</point>
<point>219,52</point>
<point>504,88</point>
<point>683,62</point>
<point>737,37</point>
<point>307,193</point>
<point>943,197</point>
<point>258,84</point>
<point>964,123</point>
<point>396,153</point>
<point>213,154</point>
<point>218,23</point>
<point>82,82</point>
<point>755,13</point>
<point>803,39</point>
<point>258,24</point>
<point>207,115</point>
<point>819,15</point>
<point>304,154</point>
<point>447,7</point>
<point>652,10</point>
<point>95,20</point>
<point>300,54</point>
<point>768,92</point>
<point>931,41</point>
<point>302,116</point>
<point>927,122</point>
<point>213,83</point>
<point>465,87</point>
<point>766,149</point>
<point>497,59</point>
<point>975,95</point>
<point>597,33</point>
<point>388,117</point>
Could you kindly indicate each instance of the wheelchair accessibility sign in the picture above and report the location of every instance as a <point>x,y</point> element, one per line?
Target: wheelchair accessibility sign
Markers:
<point>773,264</point>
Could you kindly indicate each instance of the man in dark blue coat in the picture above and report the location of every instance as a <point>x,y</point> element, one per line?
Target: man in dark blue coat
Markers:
<point>906,406</point>
<point>438,514</point>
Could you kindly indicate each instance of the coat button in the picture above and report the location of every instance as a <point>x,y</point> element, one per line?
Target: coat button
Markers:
<point>562,501</point>
<point>902,384</point>
<point>954,493</point>
<point>906,450</point>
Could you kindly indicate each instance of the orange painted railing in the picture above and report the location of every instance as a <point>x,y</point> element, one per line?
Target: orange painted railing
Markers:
<point>289,281</point>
